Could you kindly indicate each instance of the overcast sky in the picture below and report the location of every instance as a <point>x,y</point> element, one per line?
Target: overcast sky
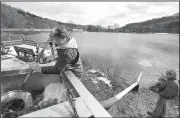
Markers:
<point>99,13</point>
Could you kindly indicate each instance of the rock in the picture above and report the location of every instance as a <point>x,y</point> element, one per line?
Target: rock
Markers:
<point>98,73</point>
<point>91,71</point>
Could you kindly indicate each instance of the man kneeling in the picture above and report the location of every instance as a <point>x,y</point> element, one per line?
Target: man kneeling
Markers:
<point>170,89</point>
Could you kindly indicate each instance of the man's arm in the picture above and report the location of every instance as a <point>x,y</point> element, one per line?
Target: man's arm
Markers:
<point>63,59</point>
<point>50,70</point>
<point>161,86</point>
<point>169,92</point>
<point>56,69</point>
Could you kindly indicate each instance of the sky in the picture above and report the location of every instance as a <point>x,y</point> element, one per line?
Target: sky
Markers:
<point>99,13</point>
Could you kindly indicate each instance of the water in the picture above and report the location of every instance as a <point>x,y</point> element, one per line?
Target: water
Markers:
<point>124,55</point>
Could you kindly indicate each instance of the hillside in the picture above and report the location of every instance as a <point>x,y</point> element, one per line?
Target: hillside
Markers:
<point>17,18</point>
<point>168,24</point>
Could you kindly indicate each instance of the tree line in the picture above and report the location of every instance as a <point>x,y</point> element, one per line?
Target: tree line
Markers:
<point>168,24</point>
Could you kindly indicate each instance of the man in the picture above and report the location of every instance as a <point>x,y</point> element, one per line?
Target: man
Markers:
<point>169,90</point>
<point>67,51</point>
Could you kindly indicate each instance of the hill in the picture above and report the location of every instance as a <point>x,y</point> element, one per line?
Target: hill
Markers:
<point>167,24</point>
<point>17,18</point>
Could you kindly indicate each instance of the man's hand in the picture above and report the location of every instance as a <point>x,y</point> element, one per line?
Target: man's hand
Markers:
<point>24,71</point>
<point>35,67</point>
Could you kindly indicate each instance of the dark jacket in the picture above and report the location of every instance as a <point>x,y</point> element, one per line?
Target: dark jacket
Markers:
<point>170,89</point>
<point>68,56</point>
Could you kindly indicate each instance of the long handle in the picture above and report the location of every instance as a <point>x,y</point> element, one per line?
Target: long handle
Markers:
<point>111,101</point>
<point>37,60</point>
<point>52,51</point>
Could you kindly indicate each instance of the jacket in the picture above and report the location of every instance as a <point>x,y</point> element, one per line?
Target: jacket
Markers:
<point>170,89</point>
<point>67,54</point>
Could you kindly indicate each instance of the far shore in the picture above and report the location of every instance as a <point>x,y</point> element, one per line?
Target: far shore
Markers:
<point>35,31</point>
<point>166,33</point>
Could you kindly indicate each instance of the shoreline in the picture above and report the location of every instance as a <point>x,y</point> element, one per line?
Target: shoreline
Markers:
<point>33,30</point>
<point>166,33</point>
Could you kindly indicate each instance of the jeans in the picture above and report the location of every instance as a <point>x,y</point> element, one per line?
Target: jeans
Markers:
<point>160,110</point>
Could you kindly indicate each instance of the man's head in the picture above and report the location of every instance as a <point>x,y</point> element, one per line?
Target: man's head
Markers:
<point>171,74</point>
<point>60,36</point>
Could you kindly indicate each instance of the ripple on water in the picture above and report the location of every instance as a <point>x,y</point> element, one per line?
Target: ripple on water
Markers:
<point>145,62</point>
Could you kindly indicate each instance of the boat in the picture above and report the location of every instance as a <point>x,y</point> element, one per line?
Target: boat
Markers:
<point>14,71</point>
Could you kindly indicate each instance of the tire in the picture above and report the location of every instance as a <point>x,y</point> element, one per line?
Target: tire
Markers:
<point>11,95</point>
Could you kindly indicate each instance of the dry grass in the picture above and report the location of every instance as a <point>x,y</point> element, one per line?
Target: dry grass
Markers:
<point>111,71</point>
<point>133,104</point>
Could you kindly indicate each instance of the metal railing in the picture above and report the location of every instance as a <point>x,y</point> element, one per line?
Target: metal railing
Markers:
<point>22,39</point>
<point>25,30</point>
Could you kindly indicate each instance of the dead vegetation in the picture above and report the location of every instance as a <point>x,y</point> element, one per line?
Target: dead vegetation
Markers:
<point>133,104</point>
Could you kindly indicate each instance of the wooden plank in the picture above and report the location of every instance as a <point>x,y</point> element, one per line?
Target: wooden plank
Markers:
<point>62,110</point>
<point>30,43</point>
<point>29,40</point>
<point>5,41</point>
<point>13,42</point>
<point>93,105</point>
<point>16,43</point>
<point>6,44</point>
<point>16,40</point>
<point>42,45</point>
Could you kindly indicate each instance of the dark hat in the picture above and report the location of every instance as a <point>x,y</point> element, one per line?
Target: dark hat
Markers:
<point>171,72</point>
<point>60,32</point>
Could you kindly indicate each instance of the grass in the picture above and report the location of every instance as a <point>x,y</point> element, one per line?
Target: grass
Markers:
<point>131,105</point>
<point>111,71</point>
